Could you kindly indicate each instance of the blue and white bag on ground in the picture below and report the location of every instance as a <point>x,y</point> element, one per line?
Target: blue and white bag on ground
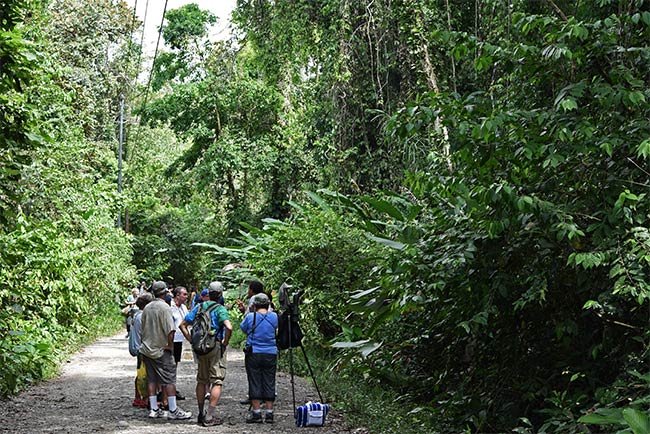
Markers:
<point>312,414</point>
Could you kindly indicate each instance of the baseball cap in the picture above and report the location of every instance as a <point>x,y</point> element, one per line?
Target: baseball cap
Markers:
<point>204,293</point>
<point>215,286</point>
<point>159,288</point>
<point>261,299</point>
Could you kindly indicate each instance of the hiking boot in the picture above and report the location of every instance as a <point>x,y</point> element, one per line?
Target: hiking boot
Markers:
<point>253,417</point>
<point>268,417</point>
<point>213,421</point>
<point>158,413</point>
<point>200,418</point>
<point>179,414</point>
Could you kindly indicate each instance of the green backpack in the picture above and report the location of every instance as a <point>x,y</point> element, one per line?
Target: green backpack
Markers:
<point>204,337</point>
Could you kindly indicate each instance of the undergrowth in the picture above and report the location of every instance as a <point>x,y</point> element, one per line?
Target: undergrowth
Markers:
<point>371,406</point>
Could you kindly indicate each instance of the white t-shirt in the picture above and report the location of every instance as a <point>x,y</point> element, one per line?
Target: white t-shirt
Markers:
<point>178,313</point>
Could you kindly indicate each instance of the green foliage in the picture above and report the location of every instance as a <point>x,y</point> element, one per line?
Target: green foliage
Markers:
<point>185,25</point>
<point>459,187</point>
<point>62,261</point>
<point>322,254</point>
<point>512,283</point>
<point>165,212</point>
<point>19,131</point>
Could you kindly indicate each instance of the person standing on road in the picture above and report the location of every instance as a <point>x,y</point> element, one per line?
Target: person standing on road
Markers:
<point>156,350</point>
<point>212,367</point>
<point>261,357</point>
<point>179,311</point>
<point>135,340</point>
<point>254,287</point>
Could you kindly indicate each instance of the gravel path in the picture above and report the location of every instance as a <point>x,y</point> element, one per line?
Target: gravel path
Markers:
<point>95,390</point>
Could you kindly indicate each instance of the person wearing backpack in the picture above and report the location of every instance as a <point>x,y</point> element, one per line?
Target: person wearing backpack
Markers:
<point>135,340</point>
<point>209,321</point>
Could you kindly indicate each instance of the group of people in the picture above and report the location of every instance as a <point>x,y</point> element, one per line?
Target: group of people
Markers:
<point>161,323</point>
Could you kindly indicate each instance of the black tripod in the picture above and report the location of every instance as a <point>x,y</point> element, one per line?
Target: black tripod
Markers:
<point>290,335</point>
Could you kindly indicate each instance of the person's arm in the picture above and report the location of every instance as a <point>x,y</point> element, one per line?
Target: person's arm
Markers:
<point>240,305</point>
<point>169,319</point>
<point>170,341</point>
<point>185,330</point>
<point>245,324</point>
<point>227,333</point>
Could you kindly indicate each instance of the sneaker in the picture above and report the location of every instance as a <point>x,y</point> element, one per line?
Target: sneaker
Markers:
<point>180,396</point>
<point>268,417</point>
<point>245,401</point>
<point>179,414</point>
<point>159,413</point>
<point>253,417</point>
<point>213,421</point>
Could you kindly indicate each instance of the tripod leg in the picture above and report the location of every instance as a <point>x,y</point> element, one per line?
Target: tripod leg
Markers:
<point>293,388</point>
<point>311,372</point>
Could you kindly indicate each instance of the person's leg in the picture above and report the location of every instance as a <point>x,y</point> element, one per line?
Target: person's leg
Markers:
<point>135,384</point>
<point>152,385</point>
<point>167,372</point>
<point>170,391</point>
<point>213,378</point>
<point>254,388</point>
<point>200,395</point>
<point>268,385</point>
<point>178,353</point>
<point>153,399</point>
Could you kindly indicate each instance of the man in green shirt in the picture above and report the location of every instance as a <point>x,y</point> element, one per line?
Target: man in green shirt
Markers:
<point>212,366</point>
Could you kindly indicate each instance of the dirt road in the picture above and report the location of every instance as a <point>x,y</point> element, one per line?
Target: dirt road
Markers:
<point>95,390</point>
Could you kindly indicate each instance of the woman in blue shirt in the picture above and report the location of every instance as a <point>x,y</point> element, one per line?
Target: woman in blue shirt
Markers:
<point>261,358</point>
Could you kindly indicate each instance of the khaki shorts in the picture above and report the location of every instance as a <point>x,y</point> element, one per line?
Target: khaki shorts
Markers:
<point>212,367</point>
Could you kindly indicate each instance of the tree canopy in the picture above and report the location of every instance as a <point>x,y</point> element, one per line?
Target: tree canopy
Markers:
<point>460,187</point>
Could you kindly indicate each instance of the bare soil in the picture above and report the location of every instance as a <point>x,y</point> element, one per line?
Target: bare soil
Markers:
<point>95,390</point>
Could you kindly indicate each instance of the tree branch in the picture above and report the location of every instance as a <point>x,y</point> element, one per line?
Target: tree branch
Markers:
<point>557,9</point>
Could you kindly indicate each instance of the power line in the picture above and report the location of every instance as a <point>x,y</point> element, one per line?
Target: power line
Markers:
<point>144,26</point>
<point>153,64</point>
<point>155,54</point>
<point>135,7</point>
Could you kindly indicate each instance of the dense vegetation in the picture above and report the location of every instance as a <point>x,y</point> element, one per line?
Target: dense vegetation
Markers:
<point>62,260</point>
<point>460,188</point>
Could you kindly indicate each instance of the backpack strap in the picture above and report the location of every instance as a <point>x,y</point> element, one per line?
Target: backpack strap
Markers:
<point>209,310</point>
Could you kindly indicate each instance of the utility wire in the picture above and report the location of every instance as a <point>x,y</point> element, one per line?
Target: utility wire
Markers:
<point>138,63</point>
<point>144,26</point>
<point>153,64</point>
<point>135,7</point>
<point>155,54</point>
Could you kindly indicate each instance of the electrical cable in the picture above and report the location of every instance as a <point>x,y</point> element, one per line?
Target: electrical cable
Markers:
<point>155,54</point>
<point>144,26</point>
<point>135,7</point>
<point>153,63</point>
